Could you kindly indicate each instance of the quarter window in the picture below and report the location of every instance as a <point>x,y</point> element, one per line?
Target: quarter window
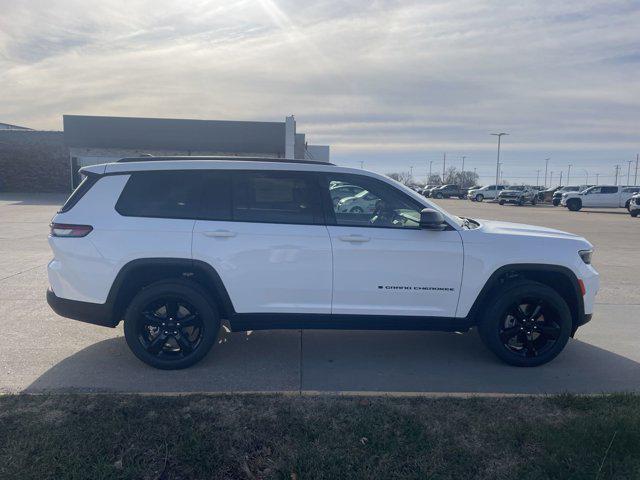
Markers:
<point>163,194</point>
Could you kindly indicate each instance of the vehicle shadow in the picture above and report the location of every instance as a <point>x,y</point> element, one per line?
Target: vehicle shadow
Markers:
<point>344,361</point>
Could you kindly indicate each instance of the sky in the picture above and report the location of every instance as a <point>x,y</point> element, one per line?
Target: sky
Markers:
<point>392,84</point>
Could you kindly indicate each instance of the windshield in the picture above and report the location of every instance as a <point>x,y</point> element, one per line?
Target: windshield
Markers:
<point>517,187</point>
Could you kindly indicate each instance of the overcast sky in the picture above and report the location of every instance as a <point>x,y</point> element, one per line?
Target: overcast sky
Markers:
<point>391,83</point>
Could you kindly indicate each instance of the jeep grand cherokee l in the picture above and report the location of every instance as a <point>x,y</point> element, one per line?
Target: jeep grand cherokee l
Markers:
<point>173,246</point>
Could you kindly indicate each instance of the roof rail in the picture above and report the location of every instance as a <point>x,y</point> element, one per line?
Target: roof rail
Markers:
<point>149,158</point>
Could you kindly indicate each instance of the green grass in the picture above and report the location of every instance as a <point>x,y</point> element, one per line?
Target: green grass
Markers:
<point>254,437</point>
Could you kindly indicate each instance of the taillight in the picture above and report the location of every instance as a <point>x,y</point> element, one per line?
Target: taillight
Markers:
<point>71,231</point>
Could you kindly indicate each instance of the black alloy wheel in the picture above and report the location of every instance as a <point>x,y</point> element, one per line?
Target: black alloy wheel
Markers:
<point>170,327</point>
<point>526,324</point>
<point>529,327</point>
<point>171,324</point>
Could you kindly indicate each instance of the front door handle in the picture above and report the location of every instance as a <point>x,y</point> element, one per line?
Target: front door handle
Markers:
<point>220,234</point>
<point>354,238</point>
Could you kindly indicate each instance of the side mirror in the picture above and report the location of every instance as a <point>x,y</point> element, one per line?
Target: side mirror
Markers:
<point>431,219</point>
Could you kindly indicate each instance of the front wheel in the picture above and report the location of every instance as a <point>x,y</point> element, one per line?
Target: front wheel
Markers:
<point>555,202</point>
<point>479,197</point>
<point>634,213</point>
<point>439,195</point>
<point>501,202</point>
<point>356,210</point>
<point>528,325</point>
<point>171,324</point>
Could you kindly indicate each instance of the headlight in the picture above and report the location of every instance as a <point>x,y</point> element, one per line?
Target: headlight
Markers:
<point>585,255</point>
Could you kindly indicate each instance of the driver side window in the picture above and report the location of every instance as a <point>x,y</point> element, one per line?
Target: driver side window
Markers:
<point>374,203</point>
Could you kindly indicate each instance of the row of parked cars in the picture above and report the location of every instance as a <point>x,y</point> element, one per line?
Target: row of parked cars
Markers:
<point>573,197</point>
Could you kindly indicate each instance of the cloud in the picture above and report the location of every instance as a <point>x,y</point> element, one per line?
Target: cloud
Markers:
<point>369,78</point>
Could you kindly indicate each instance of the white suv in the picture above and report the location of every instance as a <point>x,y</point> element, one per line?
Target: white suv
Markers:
<point>175,245</point>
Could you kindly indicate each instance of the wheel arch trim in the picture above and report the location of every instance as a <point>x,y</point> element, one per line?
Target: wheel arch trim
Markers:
<point>507,272</point>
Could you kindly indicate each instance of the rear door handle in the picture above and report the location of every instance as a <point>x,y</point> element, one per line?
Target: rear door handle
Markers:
<point>354,238</point>
<point>220,234</point>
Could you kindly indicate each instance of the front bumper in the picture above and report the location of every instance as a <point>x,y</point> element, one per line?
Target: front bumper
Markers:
<point>94,313</point>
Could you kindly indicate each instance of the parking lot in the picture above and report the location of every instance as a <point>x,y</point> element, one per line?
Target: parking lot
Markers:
<point>42,352</point>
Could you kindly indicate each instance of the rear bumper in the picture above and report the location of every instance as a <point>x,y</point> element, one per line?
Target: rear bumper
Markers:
<point>94,313</point>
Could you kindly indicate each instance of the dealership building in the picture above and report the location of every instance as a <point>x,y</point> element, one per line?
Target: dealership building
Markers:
<point>48,161</point>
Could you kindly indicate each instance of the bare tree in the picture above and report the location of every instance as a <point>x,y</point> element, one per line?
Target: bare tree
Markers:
<point>434,179</point>
<point>402,177</point>
<point>463,179</point>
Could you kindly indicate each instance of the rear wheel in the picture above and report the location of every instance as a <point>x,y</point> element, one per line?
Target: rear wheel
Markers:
<point>439,195</point>
<point>479,197</point>
<point>574,204</point>
<point>171,324</point>
<point>501,202</point>
<point>528,325</point>
<point>555,202</point>
<point>634,213</point>
<point>356,210</point>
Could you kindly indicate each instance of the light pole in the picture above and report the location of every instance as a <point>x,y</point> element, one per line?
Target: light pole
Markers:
<point>587,174</point>
<point>568,174</point>
<point>551,178</point>
<point>597,179</point>
<point>444,164</point>
<point>617,169</point>
<point>411,172</point>
<point>499,135</point>
<point>430,166</point>
<point>546,167</point>
<point>463,157</point>
<point>361,164</point>
<point>629,172</point>
<point>561,178</point>
<point>635,177</point>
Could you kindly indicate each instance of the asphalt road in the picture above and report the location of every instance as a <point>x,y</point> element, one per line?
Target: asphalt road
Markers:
<point>43,352</point>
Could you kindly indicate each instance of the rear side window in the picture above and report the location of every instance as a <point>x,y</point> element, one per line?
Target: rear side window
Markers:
<point>80,191</point>
<point>609,190</point>
<point>162,194</point>
<point>276,197</point>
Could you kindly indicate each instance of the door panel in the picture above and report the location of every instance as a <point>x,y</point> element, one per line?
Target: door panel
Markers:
<point>266,238</point>
<point>383,264</point>
<point>269,268</point>
<point>396,271</point>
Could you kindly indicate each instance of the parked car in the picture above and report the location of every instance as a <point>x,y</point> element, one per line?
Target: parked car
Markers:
<point>557,196</point>
<point>488,192</point>
<point>518,194</point>
<point>601,196</point>
<point>427,189</point>
<point>448,191</point>
<point>363,202</point>
<point>173,245</point>
<point>341,190</point>
<point>634,205</point>
<point>547,194</point>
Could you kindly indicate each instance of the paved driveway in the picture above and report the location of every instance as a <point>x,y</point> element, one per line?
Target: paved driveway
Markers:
<point>42,352</point>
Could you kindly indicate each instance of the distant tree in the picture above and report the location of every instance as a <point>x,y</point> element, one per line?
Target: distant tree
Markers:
<point>434,179</point>
<point>402,177</point>
<point>463,179</point>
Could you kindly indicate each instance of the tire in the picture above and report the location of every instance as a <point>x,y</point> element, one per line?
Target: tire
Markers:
<point>628,205</point>
<point>501,202</point>
<point>555,202</point>
<point>634,213</point>
<point>534,200</point>
<point>574,204</point>
<point>439,195</point>
<point>479,197</point>
<point>356,210</point>
<point>521,202</point>
<point>519,336</point>
<point>179,346</point>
